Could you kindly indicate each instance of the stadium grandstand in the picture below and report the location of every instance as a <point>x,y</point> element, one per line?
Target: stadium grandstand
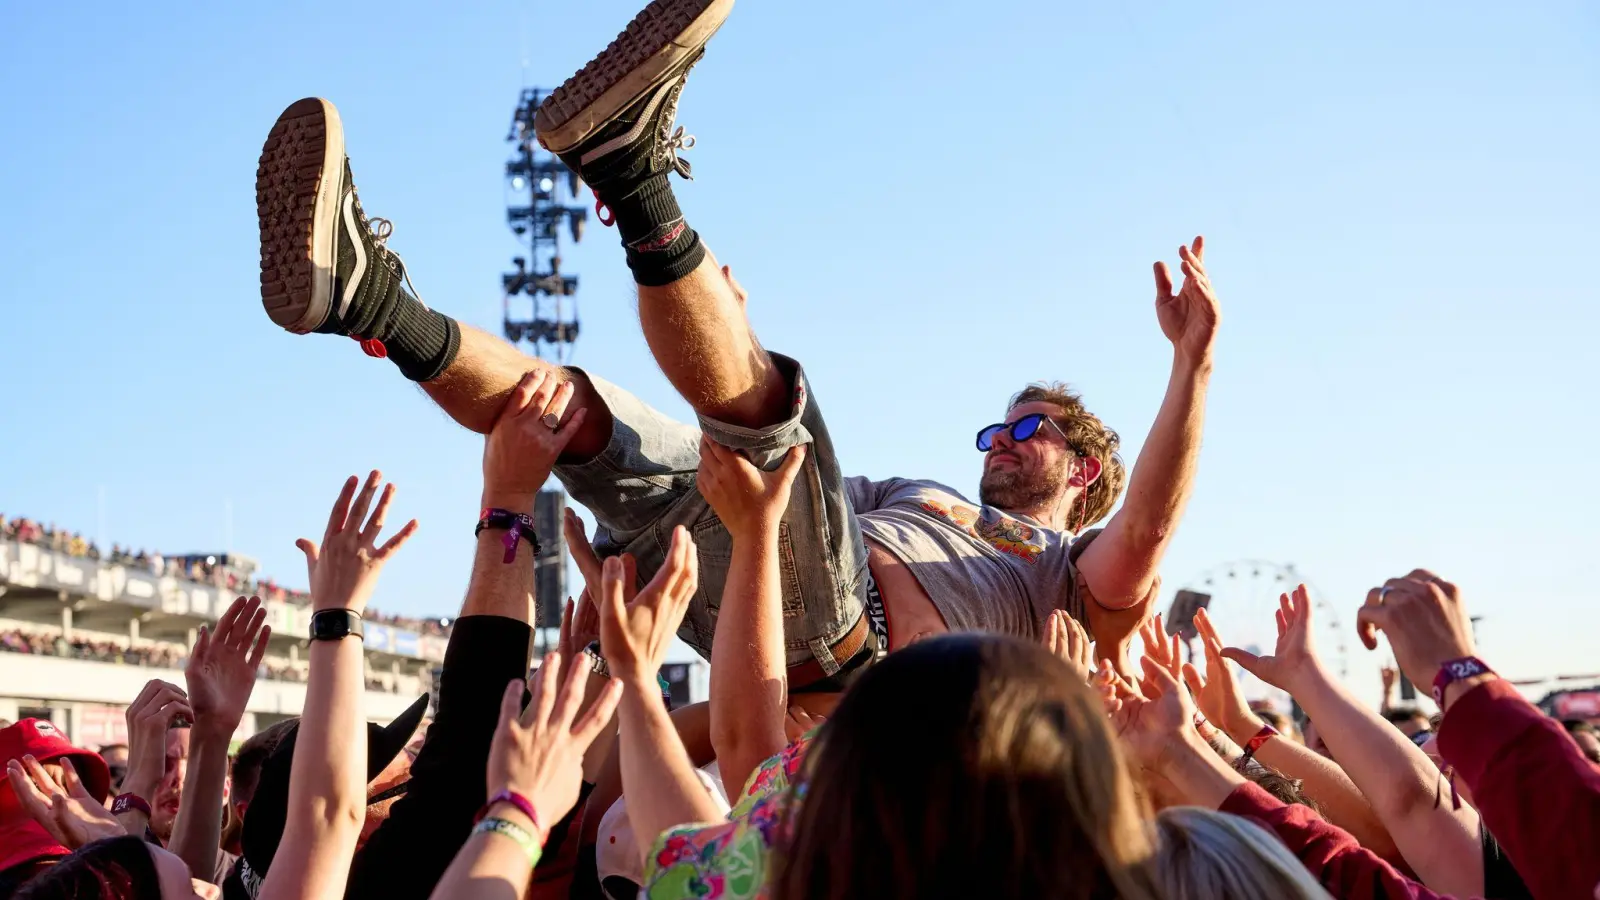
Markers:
<point>82,630</point>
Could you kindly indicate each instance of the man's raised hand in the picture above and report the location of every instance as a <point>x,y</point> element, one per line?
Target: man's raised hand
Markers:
<point>538,751</point>
<point>63,806</point>
<point>1190,315</point>
<point>636,632</point>
<point>345,568</point>
<point>527,439</point>
<point>1070,643</point>
<point>1218,692</point>
<point>222,666</point>
<point>750,502</point>
<point>160,706</point>
<point>1425,620</point>
<point>1295,657</point>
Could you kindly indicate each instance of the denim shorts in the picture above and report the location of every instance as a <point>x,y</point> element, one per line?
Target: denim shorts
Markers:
<point>642,486</point>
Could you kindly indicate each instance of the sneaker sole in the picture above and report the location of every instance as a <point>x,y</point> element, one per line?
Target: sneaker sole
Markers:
<point>658,41</point>
<point>298,184</point>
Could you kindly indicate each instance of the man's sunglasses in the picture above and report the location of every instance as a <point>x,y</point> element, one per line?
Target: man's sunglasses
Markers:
<point>1021,430</point>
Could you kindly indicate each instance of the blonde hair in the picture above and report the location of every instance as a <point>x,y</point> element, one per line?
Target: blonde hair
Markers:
<point>1203,854</point>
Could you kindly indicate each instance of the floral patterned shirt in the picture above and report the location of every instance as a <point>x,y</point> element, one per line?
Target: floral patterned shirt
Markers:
<point>729,860</point>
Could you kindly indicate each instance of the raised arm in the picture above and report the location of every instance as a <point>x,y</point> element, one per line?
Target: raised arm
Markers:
<point>159,706</point>
<point>1121,564</point>
<point>1156,728</point>
<point>1404,787</point>
<point>328,779</point>
<point>1539,797</point>
<point>749,689</point>
<point>489,645</point>
<point>221,674</point>
<point>1223,703</point>
<point>657,777</point>
<point>536,765</point>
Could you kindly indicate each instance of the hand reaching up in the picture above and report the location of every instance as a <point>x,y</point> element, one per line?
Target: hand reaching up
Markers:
<point>1218,692</point>
<point>1425,620</point>
<point>161,705</point>
<point>538,751</point>
<point>749,501</point>
<point>527,439</point>
<point>1295,657</point>
<point>345,568</point>
<point>583,617</point>
<point>1152,723</point>
<point>1161,647</point>
<point>62,805</point>
<point>636,630</point>
<point>222,666</point>
<point>1070,643</point>
<point>1189,316</point>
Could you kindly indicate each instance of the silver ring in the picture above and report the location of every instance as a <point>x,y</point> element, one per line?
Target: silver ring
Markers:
<point>551,421</point>
<point>1383,592</point>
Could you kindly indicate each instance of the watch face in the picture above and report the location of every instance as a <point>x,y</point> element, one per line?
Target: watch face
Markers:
<point>333,624</point>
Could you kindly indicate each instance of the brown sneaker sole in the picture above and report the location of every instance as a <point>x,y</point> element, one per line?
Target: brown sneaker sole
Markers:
<point>298,183</point>
<point>654,45</point>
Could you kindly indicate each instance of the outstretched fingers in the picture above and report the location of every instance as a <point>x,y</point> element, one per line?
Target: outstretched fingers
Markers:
<point>341,509</point>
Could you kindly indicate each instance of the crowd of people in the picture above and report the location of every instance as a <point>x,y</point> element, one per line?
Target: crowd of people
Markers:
<point>202,569</point>
<point>912,695</point>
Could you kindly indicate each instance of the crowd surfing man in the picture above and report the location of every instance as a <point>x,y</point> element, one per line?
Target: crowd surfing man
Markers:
<point>889,561</point>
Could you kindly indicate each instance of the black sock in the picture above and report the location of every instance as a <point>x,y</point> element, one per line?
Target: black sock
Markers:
<point>420,341</point>
<point>661,246</point>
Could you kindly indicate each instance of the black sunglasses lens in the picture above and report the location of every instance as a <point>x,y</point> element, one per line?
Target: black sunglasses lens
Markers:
<point>1026,427</point>
<point>986,437</point>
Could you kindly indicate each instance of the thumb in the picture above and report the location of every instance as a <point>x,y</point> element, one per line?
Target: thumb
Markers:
<point>309,548</point>
<point>1369,620</point>
<point>1191,677</point>
<point>1248,661</point>
<point>791,465</point>
<point>1163,283</point>
<point>511,702</point>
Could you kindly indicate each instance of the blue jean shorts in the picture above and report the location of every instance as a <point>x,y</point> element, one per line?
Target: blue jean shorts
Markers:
<point>642,486</point>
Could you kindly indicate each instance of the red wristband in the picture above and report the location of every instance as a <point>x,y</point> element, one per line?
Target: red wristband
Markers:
<point>1266,733</point>
<point>523,805</point>
<point>129,803</point>
<point>1456,670</point>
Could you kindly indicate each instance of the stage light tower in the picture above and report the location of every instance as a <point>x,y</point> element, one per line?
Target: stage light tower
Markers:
<point>535,178</point>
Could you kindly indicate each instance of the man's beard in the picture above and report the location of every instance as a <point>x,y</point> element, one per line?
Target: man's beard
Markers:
<point>1014,489</point>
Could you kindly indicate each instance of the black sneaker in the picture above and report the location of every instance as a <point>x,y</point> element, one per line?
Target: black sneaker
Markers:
<point>612,122</point>
<point>324,266</point>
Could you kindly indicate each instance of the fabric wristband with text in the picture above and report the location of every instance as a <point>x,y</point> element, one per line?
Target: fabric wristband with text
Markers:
<point>515,525</point>
<point>507,828</point>
<point>129,803</point>
<point>1452,670</point>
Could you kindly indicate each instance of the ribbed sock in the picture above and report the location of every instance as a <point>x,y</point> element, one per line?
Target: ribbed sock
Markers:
<point>420,341</point>
<point>661,246</point>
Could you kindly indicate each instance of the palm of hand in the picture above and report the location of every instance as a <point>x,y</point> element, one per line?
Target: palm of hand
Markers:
<point>1189,319</point>
<point>219,685</point>
<point>1147,727</point>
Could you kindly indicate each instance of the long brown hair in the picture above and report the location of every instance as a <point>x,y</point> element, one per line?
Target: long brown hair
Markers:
<point>970,765</point>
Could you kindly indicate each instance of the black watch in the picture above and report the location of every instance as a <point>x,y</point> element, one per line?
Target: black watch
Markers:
<point>335,624</point>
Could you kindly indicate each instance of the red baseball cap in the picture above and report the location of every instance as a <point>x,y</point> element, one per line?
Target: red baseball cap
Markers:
<point>21,838</point>
<point>42,740</point>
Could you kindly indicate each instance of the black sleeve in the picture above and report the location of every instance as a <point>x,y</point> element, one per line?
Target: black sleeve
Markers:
<point>1501,881</point>
<point>409,853</point>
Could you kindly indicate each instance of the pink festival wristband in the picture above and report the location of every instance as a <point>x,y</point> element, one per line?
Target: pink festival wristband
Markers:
<point>522,803</point>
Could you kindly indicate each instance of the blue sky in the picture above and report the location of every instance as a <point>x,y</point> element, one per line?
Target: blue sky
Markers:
<point>929,207</point>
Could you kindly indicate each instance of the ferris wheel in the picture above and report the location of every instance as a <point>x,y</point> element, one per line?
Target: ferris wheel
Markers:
<point>1242,596</point>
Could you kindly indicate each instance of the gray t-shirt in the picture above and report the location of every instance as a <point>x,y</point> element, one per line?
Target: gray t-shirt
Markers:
<point>985,570</point>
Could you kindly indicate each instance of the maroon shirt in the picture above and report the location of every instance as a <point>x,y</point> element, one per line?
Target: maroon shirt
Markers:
<point>1537,795</point>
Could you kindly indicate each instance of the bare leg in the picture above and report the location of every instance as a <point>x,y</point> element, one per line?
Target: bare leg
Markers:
<point>475,386</point>
<point>697,329</point>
